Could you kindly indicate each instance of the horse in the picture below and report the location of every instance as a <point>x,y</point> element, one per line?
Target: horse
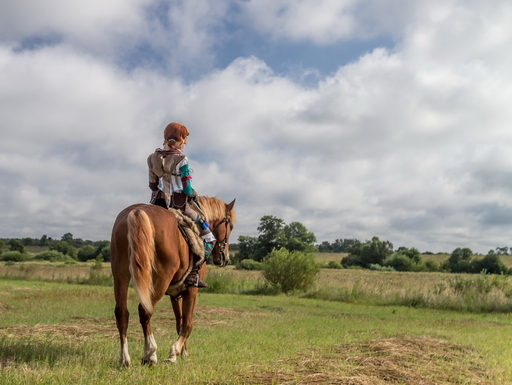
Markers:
<point>148,248</point>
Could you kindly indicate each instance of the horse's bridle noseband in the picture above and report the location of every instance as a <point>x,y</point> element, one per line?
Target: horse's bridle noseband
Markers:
<point>222,244</point>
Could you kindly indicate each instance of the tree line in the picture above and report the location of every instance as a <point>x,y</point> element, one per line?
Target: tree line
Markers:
<point>65,249</point>
<point>375,254</point>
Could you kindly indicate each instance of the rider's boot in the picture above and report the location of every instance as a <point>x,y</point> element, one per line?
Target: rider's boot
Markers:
<point>193,278</point>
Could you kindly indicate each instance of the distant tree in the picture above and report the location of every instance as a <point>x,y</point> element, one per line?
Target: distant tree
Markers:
<point>325,247</point>
<point>342,245</point>
<point>274,234</point>
<point>246,248</point>
<point>2,244</point>
<point>372,252</point>
<point>44,241</point>
<point>270,236</point>
<point>15,245</point>
<point>86,252</point>
<point>104,253</point>
<point>78,243</point>
<point>491,264</point>
<point>502,250</point>
<point>29,241</point>
<point>459,261</point>
<point>298,238</point>
<point>68,237</point>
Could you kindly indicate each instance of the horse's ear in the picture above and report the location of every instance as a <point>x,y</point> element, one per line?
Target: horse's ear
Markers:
<point>229,207</point>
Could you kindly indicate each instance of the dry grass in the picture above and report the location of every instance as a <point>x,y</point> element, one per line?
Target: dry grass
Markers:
<point>47,271</point>
<point>407,360</point>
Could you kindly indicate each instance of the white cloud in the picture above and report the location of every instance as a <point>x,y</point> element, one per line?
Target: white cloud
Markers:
<point>327,21</point>
<point>411,144</point>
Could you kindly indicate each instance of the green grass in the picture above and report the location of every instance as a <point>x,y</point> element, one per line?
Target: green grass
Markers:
<point>54,333</point>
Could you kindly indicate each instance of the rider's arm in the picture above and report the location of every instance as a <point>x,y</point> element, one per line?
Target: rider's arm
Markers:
<point>186,180</point>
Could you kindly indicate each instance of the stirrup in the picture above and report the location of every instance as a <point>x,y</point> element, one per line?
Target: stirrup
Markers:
<point>193,280</point>
<point>190,282</point>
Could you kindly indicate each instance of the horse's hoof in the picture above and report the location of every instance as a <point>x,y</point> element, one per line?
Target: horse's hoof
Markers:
<point>149,361</point>
<point>170,359</point>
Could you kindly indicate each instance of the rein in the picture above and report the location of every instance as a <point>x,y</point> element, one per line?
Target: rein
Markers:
<point>222,244</point>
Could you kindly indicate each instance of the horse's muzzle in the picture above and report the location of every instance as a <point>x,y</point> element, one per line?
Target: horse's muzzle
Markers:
<point>223,259</point>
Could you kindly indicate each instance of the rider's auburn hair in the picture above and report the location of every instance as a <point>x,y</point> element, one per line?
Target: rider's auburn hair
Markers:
<point>175,132</point>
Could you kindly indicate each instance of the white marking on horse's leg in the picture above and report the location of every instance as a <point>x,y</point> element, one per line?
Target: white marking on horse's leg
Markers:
<point>175,351</point>
<point>150,350</point>
<point>124,356</point>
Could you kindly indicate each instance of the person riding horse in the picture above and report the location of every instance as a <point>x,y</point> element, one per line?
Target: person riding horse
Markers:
<point>171,185</point>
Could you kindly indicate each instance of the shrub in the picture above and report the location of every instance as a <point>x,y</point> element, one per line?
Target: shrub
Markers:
<point>86,253</point>
<point>290,271</point>
<point>368,253</point>
<point>15,245</point>
<point>491,264</point>
<point>377,267</point>
<point>333,265</point>
<point>431,265</point>
<point>249,264</point>
<point>14,256</point>
<point>52,255</point>
<point>399,262</point>
<point>64,248</point>
<point>459,261</point>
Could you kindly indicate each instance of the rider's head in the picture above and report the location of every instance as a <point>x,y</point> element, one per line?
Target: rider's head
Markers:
<point>175,135</point>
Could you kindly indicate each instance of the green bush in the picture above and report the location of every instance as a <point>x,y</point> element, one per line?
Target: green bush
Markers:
<point>52,255</point>
<point>333,265</point>
<point>249,264</point>
<point>368,253</point>
<point>431,265</point>
<point>399,262</point>
<point>64,248</point>
<point>491,264</point>
<point>377,267</point>
<point>290,271</point>
<point>86,253</point>
<point>14,256</point>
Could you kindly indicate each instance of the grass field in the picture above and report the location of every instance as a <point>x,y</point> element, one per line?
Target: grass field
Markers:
<point>60,333</point>
<point>56,330</point>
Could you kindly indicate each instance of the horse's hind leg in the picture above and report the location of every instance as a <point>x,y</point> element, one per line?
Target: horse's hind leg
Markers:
<point>150,346</point>
<point>122,317</point>
<point>187,306</point>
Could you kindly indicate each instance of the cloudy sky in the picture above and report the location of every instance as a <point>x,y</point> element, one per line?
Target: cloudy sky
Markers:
<point>357,118</point>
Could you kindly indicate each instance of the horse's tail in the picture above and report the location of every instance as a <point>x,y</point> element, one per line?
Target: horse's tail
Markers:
<point>141,240</point>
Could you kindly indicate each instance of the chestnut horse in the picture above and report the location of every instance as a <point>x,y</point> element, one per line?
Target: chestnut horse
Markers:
<point>148,248</point>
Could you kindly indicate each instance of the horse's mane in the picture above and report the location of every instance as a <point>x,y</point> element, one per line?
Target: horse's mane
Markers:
<point>215,209</point>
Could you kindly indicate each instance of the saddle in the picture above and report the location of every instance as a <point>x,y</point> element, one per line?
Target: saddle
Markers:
<point>190,232</point>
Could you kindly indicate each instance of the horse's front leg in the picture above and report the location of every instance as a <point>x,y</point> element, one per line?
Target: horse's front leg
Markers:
<point>150,346</point>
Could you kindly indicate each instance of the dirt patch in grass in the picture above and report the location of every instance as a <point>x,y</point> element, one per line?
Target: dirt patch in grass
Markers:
<point>409,360</point>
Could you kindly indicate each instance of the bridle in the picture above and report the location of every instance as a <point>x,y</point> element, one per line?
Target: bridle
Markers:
<point>222,244</point>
